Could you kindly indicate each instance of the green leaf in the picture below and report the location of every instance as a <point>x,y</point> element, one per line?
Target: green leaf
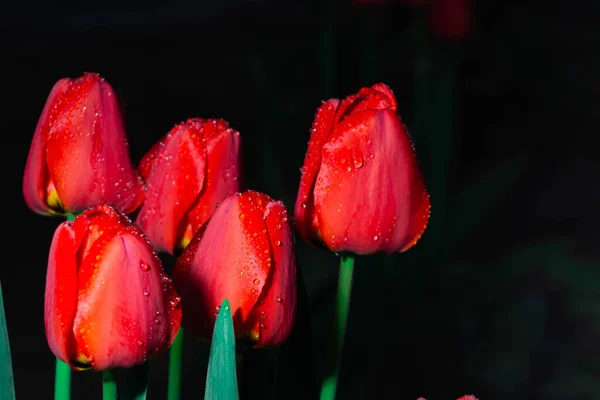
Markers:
<point>7,389</point>
<point>468,208</point>
<point>221,379</point>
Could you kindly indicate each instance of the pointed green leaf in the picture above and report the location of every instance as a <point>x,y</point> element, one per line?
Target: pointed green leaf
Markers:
<point>468,208</point>
<point>221,379</point>
<point>7,389</point>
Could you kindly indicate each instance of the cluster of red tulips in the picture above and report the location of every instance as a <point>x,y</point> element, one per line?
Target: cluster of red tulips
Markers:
<point>108,301</point>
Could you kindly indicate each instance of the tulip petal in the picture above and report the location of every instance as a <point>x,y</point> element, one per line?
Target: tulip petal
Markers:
<point>36,176</point>
<point>126,311</point>
<point>370,169</point>
<point>377,97</point>
<point>87,151</point>
<point>274,315</point>
<point>175,183</point>
<point>147,162</point>
<point>231,260</point>
<point>320,131</point>
<point>61,291</point>
<point>223,149</point>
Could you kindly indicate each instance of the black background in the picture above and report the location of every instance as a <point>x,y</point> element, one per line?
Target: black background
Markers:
<point>527,90</point>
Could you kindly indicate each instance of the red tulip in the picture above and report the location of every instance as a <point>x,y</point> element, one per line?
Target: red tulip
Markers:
<point>108,301</point>
<point>188,172</point>
<point>79,156</point>
<point>361,188</point>
<point>450,19</point>
<point>245,254</point>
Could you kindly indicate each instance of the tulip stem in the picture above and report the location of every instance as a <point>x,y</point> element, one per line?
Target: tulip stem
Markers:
<point>109,385</point>
<point>175,360</point>
<point>329,385</point>
<point>135,385</point>
<point>62,381</point>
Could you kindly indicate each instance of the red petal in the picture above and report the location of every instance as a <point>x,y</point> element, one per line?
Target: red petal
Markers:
<point>275,313</point>
<point>87,151</point>
<point>229,259</point>
<point>321,129</point>
<point>61,291</point>
<point>36,178</point>
<point>377,97</point>
<point>125,311</point>
<point>369,195</point>
<point>177,178</point>
<point>147,163</point>
<point>223,171</point>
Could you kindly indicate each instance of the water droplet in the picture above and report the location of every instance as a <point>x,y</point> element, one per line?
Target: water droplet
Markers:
<point>278,243</point>
<point>146,293</point>
<point>140,343</point>
<point>357,160</point>
<point>144,266</point>
<point>375,238</point>
<point>175,301</point>
<point>279,299</point>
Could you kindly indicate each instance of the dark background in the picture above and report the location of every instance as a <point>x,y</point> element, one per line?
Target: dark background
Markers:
<point>501,296</point>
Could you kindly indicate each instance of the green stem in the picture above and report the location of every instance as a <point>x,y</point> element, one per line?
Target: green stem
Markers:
<point>175,360</point>
<point>7,387</point>
<point>136,383</point>
<point>109,385</point>
<point>329,385</point>
<point>70,217</point>
<point>62,381</point>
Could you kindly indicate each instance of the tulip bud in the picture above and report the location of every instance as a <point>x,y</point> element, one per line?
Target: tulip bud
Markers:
<point>108,301</point>
<point>361,188</point>
<point>188,172</point>
<point>245,253</point>
<point>79,155</point>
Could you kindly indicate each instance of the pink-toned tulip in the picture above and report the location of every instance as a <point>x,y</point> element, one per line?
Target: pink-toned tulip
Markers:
<point>361,188</point>
<point>245,254</point>
<point>108,301</point>
<point>79,155</point>
<point>188,172</point>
